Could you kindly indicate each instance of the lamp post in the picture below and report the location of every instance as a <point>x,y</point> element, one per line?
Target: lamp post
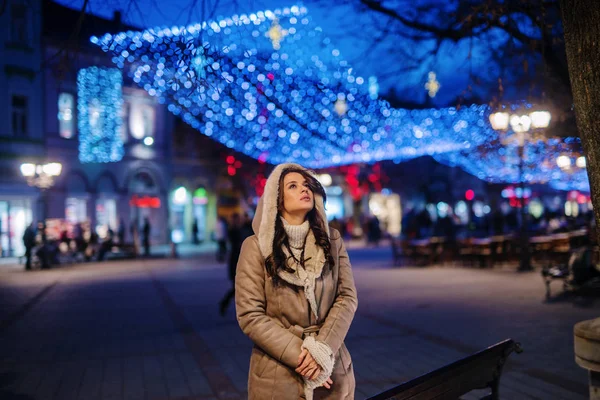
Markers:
<point>41,176</point>
<point>521,124</point>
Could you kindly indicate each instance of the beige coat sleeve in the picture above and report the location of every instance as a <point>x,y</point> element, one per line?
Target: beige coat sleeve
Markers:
<point>250,304</point>
<point>342,311</point>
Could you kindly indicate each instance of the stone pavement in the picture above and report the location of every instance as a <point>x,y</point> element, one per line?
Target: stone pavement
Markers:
<point>150,329</point>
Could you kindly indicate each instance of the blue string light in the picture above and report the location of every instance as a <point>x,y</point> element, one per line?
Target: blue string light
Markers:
<point>500,163</point>
<point>277,90</point>
<point>272,86</point>
<point>99,102</point>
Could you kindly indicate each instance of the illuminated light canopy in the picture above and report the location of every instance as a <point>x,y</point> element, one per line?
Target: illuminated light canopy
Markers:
<point>298,103</point>
<point>373,88</point>
<point>100,100</point>
<point>500,163</point>
<point>272,86</point>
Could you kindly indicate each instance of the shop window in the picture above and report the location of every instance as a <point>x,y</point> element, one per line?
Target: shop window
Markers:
<point>75,209</point>
<point>19,115</point>
<point>199,202</point>
<point>106,216</point>
<point>14,218</point>
<point>178,208</point>
<point>19,23</point>
<point>66,115</point>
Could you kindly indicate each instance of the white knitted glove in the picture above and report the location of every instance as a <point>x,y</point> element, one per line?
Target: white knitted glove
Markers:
<point>323,355</point>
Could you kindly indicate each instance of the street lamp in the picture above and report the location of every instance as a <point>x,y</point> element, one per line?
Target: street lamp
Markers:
<point>41,176</point>
<point>521,124</point>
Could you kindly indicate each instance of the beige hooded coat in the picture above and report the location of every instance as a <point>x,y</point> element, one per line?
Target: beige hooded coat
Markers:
<point>278,318</point>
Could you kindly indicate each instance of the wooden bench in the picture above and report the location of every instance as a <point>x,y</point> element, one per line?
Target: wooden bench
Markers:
<point>481,370</point>
<point>580,271</point>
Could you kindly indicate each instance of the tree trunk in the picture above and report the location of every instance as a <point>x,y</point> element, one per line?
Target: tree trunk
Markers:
<point>581,20</point>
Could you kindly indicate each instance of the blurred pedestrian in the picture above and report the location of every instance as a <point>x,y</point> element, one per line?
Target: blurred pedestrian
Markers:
<point>221,238</point>
<point>295,294</point>
<point>373,231</point>
<point>29,243</point>
<point>106,244</point>
<point>195,231</point>
<point>43,251</point>
<point>121,232</point>
<point>236,235</point>
<point>146,236</point>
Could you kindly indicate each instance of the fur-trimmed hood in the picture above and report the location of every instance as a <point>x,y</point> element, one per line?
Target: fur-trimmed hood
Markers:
<point>263,223</point>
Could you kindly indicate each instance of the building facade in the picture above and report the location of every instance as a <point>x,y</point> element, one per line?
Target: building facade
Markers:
<point>21,122</point>
<point>46,116</point>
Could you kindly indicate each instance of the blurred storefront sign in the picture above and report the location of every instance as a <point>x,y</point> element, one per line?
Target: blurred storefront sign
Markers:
<point>144,201</point>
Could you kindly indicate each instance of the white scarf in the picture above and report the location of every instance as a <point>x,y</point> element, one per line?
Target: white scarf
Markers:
<point>302,240</point>
<point>314,260</point>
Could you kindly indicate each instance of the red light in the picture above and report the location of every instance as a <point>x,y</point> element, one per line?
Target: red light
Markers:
<point>144,201</point>
<point>581,199</point>
<point>231,170</point>
<point>230,159</point>
<point>237,164</point>
<point>469,195</point>
<point>270,76</point>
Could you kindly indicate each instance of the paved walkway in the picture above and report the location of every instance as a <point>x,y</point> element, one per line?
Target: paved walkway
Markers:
<point>150,329</point>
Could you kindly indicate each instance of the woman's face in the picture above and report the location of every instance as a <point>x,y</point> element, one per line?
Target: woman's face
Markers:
<point>298,199</point>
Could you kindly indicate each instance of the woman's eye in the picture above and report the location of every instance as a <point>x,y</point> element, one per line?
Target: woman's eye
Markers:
<point>292,186</point>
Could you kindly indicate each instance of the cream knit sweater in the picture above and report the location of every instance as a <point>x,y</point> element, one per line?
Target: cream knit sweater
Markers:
<point>320,352</point>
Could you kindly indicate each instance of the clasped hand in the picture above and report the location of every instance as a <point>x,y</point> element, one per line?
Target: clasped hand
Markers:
<point>308,368</point>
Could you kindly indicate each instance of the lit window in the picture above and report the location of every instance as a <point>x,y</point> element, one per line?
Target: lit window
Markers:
<point>75,209</point>
<point>19,115</point>
<point>141,121</point>
<point>19,25</point>
<point>66,107</point>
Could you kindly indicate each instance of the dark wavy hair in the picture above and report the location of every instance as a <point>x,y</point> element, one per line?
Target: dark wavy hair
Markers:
<point>277,260</point>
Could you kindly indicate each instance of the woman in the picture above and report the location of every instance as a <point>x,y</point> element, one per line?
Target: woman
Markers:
<point>295,294</point>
